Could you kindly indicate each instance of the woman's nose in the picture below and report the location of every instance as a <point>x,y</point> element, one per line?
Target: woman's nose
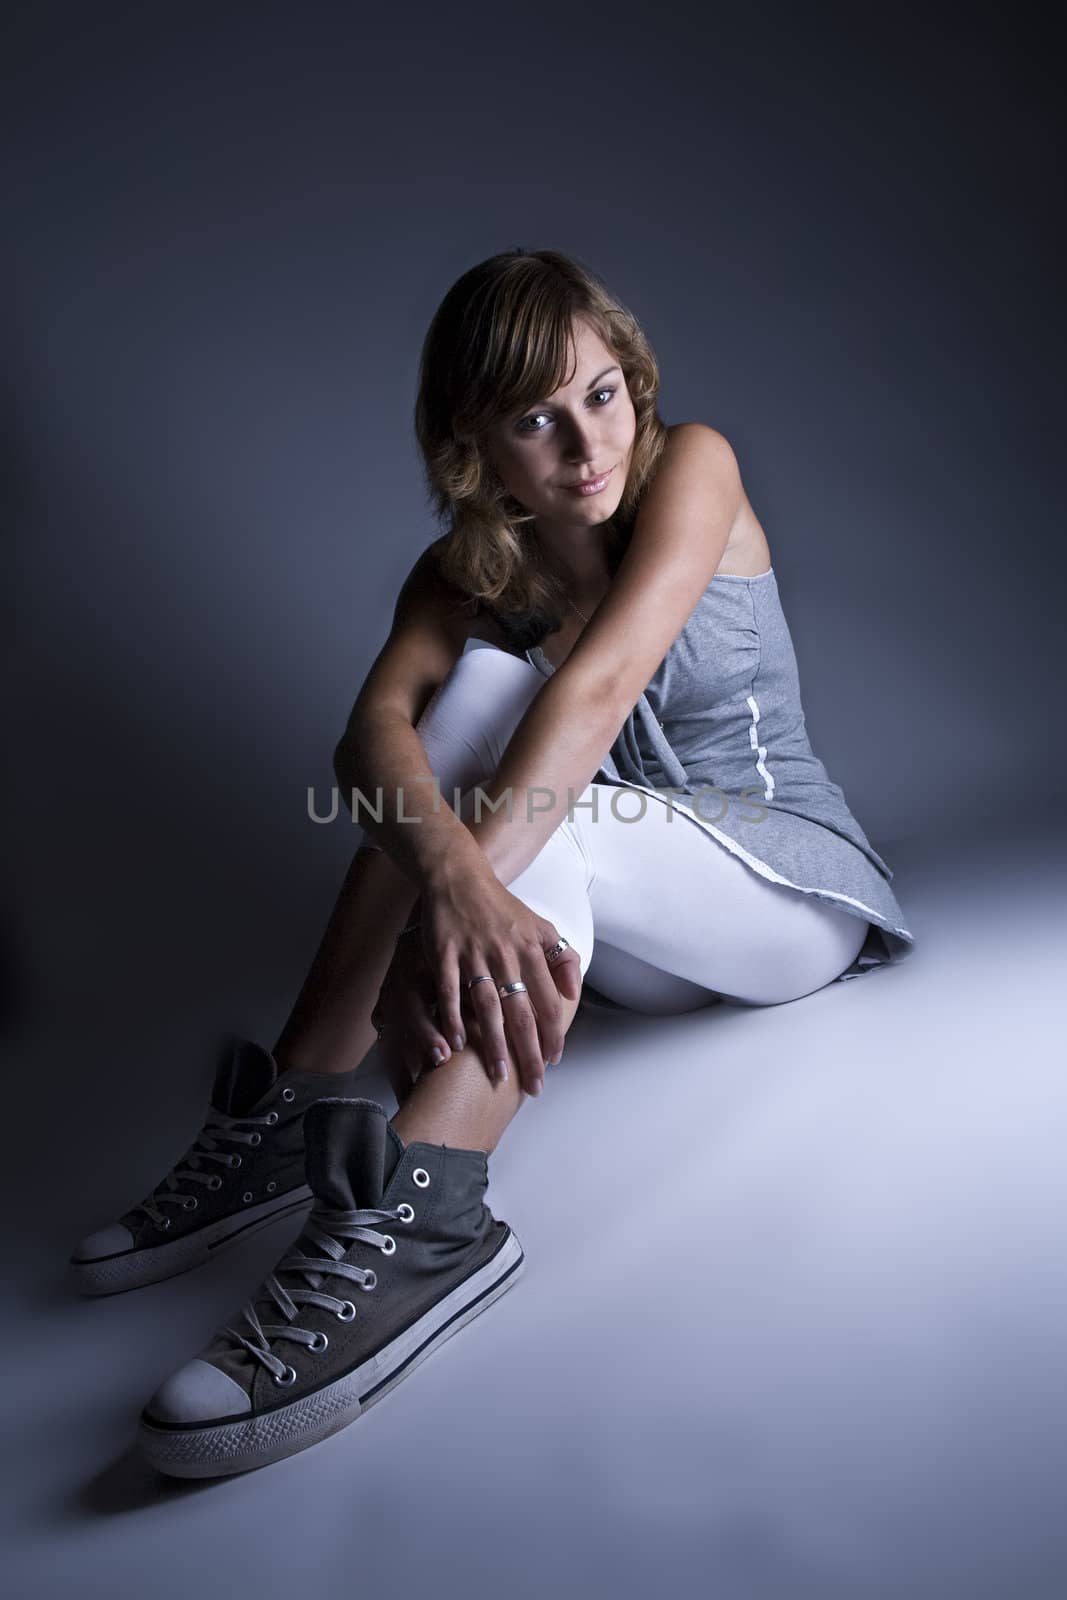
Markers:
<point>581,444</point>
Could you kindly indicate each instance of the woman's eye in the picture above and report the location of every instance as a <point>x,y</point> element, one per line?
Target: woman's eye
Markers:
<point>522,428</point>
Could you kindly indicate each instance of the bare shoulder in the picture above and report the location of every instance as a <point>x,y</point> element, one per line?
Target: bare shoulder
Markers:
<point>747,553</point>
<point>678,543</point>
<point>694,456</point>
<point>697,461</point>
<point>699,436</point>
<point>700,439</point>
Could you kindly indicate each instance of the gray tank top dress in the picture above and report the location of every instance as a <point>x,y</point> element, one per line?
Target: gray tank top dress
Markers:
<point>719,735</point>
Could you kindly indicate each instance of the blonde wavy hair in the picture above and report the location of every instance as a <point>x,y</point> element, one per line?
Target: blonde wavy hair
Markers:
<point>501,340</point>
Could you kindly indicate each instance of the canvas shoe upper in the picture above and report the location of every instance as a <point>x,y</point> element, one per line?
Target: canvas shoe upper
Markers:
<point>398,1253</point>
<point>244,1170</point>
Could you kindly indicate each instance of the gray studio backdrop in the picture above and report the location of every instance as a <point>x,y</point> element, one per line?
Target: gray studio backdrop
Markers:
<point>228,228</point>
<point>228,241</point>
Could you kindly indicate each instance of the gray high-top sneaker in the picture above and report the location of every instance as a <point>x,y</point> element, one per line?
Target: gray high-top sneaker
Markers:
<point>398,1253</point>
<point>244,1170</point>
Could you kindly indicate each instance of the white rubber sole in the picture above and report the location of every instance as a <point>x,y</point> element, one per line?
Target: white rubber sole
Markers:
<point>132,1269</point>
<point>243,1443</point>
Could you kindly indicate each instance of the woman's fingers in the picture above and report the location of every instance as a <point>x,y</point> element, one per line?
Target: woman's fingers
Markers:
<point>520,1024</point>
<point>487,1054</point>
<point>405,1008</point>
<point>432,1046</point>
<point>566,973</point>
<point>526,1023</point>
<point>485,1004</point>
<point>547,1007</point>
<point>509,1019</point>
<point>427,1042</point>
<point>449,1014</point>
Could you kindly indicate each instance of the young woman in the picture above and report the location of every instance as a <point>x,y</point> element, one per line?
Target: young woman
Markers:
<point>581,756</point>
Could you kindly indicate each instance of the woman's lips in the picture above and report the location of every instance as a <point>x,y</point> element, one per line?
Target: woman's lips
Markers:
<point>593,487</point>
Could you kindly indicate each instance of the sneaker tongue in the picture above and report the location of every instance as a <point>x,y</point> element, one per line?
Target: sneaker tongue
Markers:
<point>350,1155</point>
<point>351,1152</point>
<point>243,1078</point>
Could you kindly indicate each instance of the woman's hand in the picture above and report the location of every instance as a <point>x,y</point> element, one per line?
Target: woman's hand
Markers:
<point>403,1013</point>
<point>476,928</point>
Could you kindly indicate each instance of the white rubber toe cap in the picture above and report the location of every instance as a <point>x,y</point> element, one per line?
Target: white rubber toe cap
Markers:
<point>109,1241</point>
<point>197,1392</point>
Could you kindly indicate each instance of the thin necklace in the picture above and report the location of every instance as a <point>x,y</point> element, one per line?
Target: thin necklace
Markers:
<point>573,607</point>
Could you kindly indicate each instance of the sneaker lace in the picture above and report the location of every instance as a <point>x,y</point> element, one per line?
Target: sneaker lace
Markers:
<point>334,1232</point>
<point>204,1148</point>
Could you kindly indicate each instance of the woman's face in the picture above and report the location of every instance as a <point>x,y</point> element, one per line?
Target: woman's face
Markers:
<point>578,434</point>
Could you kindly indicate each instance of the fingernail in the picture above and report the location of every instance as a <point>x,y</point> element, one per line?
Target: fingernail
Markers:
<point>437,1056</point>
<point>457,1040</point>
<point>502,1071</point>
<point>537,1086</point>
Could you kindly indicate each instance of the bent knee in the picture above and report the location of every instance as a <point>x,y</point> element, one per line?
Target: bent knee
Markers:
<point>485,695</point>
<point>482,662</point>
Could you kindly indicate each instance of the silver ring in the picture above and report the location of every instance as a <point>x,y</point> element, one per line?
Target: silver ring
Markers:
<point>482,978</point>
<point>558,948</point>
<point>512,988</point>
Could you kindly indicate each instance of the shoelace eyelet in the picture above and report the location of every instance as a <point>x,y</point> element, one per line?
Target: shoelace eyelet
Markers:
<point>371,1280</point>
<point>272,1117</point>
<point>346,1313</point>
<point>216,1182</point>
<point>288,1094</point>
<point>407,1214</point>
<point>421,1177</point>
<point>163,1224</point>
<point>255,1138</point>
<point>284,1382</point>
<point>191,1204</point>
<point>389,1246</point>
<point>247,1196</point>
<point>271,1186</point>
<point>320,1343</point>
<point>235,1162</point>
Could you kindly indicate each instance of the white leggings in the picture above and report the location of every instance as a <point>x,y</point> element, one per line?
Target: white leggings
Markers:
<point>664,918</point>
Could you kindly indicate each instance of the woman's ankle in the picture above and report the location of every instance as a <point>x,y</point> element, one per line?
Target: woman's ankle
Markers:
<point>304,1058</point>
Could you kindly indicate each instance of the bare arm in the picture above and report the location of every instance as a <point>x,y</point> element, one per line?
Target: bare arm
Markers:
<point>676,548</point>
<point>382,756</point>
<point>470,921</point>
<point>550,760</point>
<point>379,753</point>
